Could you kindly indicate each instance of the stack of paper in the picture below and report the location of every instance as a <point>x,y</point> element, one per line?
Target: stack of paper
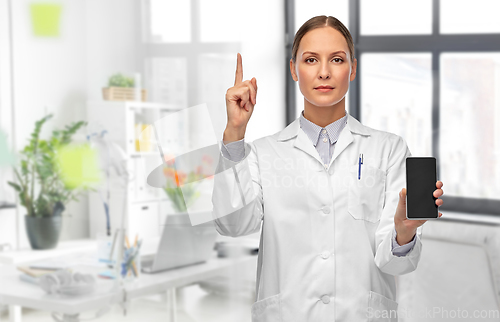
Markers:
<point>31,275</point>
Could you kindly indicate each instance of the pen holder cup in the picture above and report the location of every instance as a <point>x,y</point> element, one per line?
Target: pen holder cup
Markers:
<point>131,264</point>
<point>104,250</point>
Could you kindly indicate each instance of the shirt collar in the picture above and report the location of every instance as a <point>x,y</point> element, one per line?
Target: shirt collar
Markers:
<point>353,125</point>
<point>313,130</point>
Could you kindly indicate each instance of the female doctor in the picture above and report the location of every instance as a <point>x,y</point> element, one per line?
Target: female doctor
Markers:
<point>334,233</point>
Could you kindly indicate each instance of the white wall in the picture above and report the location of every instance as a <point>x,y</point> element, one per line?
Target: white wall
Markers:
<point>97,39</point>
<point>49,77</point>
<point>265,56</point>
<point>110,35</point>
<point>5,89</point>
<point>58,75</point>
<point>7,216</point>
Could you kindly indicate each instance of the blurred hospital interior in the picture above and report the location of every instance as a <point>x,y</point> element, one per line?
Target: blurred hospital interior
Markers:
<point>98,96</point>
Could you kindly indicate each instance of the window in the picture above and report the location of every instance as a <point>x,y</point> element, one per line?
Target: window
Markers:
<point>429,72</point>
<point>214,21</point>
<point>397,97</point>
<point>170,21</point>
<point>189,52</point>
<point>460,72</point>
<point>396,17</point>
<point>461,17</point>
<point>469,124</point>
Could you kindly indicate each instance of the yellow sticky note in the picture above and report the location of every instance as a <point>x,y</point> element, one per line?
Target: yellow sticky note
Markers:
<point>79,165</point>
<point>45,18</point>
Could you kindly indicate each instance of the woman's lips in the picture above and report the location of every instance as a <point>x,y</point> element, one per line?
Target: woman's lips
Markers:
<point>324,90</point>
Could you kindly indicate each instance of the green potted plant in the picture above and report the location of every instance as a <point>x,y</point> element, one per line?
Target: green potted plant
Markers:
<point>119,80</point>
<point>121,88</point>
<point>40,185</point>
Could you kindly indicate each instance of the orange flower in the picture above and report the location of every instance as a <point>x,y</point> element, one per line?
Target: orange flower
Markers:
<point>169,172</point>
<point>177,179</point>
<point>180,177</point>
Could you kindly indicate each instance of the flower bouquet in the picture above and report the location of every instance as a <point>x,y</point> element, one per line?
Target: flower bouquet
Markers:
<point>181,187</point>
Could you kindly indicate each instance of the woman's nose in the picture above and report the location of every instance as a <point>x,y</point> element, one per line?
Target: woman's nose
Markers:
<point>324,73</point>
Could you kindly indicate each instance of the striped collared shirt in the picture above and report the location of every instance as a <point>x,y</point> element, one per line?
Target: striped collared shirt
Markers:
<point>323,138</point>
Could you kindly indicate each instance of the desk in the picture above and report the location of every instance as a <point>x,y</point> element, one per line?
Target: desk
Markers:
<point>16,257</point>
<point>26,255</point>
<point>17,293</point>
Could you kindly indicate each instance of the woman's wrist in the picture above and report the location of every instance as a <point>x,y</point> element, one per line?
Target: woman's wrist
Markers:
<point>404,237</point>
<point>232,134</point>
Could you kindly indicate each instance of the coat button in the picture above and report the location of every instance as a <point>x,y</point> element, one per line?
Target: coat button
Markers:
<point>324,131</point>
<point>325,139</point>
<point>326,210</point>
<point>325,254</point>
<point>325,299</point>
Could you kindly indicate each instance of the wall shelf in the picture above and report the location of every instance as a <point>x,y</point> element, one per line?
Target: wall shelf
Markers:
<point>146,207</point>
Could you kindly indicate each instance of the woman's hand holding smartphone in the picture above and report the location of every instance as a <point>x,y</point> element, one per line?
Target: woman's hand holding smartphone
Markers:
<point>421,183</point>
<point>240,102</point>
<point>423,198</point>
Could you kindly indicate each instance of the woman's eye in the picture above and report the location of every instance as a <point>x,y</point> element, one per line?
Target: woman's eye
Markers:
<point>337,60</point>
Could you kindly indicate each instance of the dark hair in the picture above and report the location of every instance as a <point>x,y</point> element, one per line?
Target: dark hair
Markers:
<point>319,22</point>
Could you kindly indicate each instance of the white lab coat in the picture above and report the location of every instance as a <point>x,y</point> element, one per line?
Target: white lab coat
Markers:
<point>325,247</point>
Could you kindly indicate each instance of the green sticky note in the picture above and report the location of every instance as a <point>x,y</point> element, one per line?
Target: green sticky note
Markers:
<point>79,166</point>
<point>45,18</point>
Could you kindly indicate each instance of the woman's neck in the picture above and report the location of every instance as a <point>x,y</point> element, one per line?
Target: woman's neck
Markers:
<point>324,115</point>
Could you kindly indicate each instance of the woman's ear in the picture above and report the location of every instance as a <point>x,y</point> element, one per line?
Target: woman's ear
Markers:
<point>292,70</point>
<point>353,69</point>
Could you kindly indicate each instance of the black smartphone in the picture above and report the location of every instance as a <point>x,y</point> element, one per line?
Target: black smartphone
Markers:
<point>421,178</point>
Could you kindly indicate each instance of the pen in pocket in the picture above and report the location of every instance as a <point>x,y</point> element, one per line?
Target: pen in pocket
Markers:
<point>360,163</point>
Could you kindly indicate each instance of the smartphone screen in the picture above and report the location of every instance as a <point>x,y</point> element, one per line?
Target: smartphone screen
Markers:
<point>421,180</point>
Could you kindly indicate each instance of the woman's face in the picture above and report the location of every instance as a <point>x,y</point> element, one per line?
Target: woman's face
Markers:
<point>323,59</point>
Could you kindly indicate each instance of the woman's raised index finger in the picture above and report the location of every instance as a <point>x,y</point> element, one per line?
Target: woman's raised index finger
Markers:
<point>239,71</point>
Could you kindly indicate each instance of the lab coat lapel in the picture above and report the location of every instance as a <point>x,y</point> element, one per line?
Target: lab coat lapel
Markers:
<point>302,141</point>
<point>345,138</point>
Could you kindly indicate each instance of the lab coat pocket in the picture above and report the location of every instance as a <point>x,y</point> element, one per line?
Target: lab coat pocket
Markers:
<point>366,192</point>
<point>267,310</point>
<point>381,308</point>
